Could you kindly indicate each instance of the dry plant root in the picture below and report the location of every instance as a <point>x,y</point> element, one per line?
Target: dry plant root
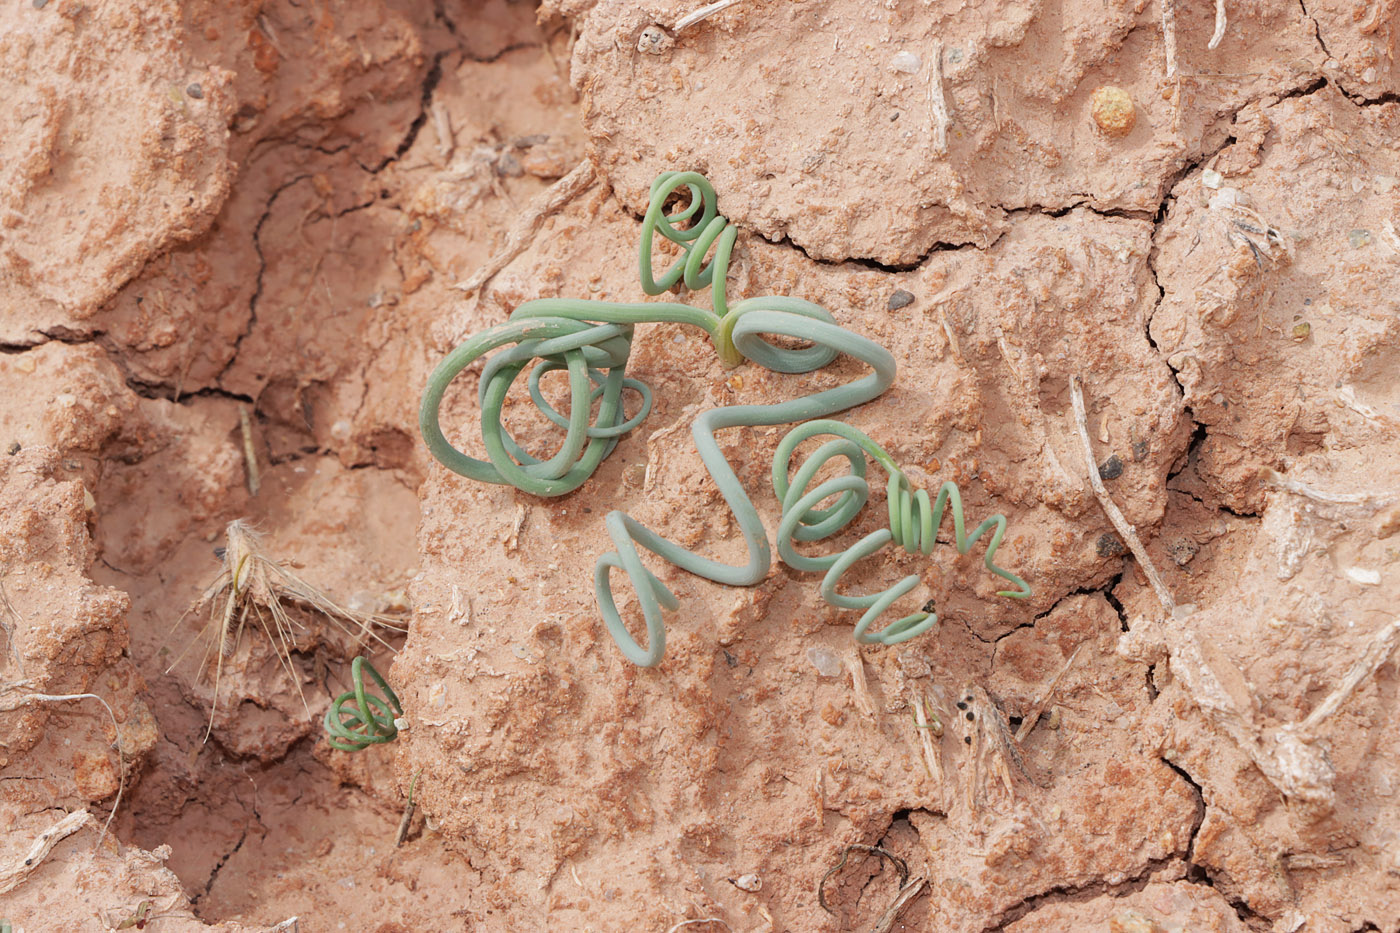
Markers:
<point>255,587</point>
<point>10,703</point>
<point>899,865</point>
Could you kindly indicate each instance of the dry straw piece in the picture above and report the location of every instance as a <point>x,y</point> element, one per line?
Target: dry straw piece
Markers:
<point>254,587</point>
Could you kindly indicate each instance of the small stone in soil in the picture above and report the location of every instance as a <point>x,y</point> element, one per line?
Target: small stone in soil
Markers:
<point>900,299</point>
<point>1109,546</point>
<point>1182,550</point>
<point>826,662</point>
<point>1112,468</point>
<point>195,91</point>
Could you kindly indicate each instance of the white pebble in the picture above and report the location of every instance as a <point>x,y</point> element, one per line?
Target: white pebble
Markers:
<point>748,883</point>
<point>906,62</point>
<point>826,662</point>
<point>1361,575</point>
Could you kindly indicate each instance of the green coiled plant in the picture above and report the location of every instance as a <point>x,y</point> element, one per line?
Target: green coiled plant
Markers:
<point>371,721</point>
<point>592,340</point>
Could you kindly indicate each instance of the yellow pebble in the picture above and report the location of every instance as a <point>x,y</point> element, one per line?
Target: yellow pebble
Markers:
<point>1112,110</point>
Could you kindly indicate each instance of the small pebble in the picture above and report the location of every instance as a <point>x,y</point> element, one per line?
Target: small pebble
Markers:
<point>1359,238</point>
<point>1211,178</point>
<point>1112,468</point>
<point>1182,550</point>
<point>906,63</point>
<point>654,40</point>
<point>1301,331</point>
<point>14,448</point>
<point>1140,449</point>
<point>195,91</point>
<point>824,660</point>
<point>1112,110</point>
<point>1109,546</point>
<point>1364,576</point>
<point>40,4</point>
<point>750,883</point>
<point>900,299</point>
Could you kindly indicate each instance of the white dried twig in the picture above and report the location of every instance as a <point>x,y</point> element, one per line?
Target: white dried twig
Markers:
<point>685,923</point>
<point>1347,396</point>
<point>442,126</point>
<point>690,19</point>
<point>860,689</point>
<point>1220,24</point>
<point>1377,652</point>
<point>1169,35</point>
<point>13,874</point>
<point>907,894</point>
<point>1125,529</point>
<point>938,103</point>
<point>522,233</point>
<point>1279,481</point>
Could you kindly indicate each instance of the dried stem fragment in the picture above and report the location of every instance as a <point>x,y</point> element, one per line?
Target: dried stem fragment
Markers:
<point>1124,527</point>
<point>1033,716</point>
<point>1377,652</point>
<point>1169,35</point>
<point>690,19</point>
<point>860,688</point>
<point>1220,24</point>
<point>685,923</point>
<point>14,874</point>
<point>928,731</point>
<point>938,103</point>
<point>250,451</point>
<point>523,231</point>
<point>906,896</point>
<point>1279,481</point>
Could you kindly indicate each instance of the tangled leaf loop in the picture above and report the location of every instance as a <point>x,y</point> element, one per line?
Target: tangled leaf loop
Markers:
<point>371,721</point>
<point>913,524</point>
<point>591,341</point>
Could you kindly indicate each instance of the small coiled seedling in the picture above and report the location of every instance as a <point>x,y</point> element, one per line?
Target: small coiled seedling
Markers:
<point>371,721</point>
<point>592,340</point>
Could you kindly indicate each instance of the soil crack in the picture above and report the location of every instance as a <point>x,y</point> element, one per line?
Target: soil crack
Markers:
<point>214,875</point>
<point>262,270</point>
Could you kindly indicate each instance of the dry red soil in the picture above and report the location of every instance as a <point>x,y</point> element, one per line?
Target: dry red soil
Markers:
<point>237,234</point>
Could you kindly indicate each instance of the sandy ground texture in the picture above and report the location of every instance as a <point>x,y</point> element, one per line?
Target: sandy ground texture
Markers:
<point>235,238</point>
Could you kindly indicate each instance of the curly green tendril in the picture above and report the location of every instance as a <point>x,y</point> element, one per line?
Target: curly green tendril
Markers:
<point>371,721</point>
<point>592,341</point>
